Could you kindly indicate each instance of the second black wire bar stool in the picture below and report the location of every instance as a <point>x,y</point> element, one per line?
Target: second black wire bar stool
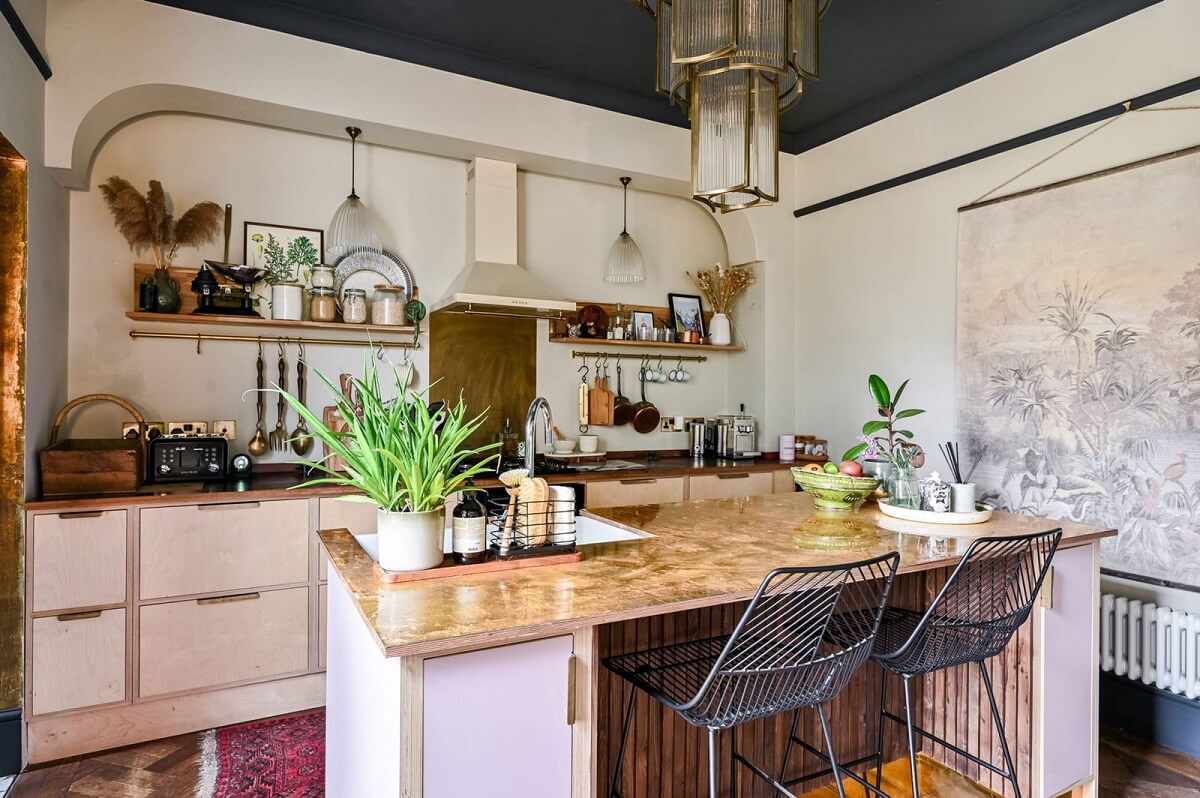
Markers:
<point>784,654</point>
<point>986,598</point>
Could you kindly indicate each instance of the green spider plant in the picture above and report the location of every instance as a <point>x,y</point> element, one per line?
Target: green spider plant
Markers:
<point>395,452</point>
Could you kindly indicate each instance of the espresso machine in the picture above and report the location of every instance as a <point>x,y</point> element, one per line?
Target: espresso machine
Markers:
<point>729,436</point>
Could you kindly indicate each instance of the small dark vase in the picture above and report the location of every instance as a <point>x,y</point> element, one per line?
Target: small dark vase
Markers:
<point>167,298</point>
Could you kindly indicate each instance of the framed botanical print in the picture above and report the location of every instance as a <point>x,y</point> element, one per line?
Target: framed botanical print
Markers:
<point>287,253</point>
<point>687,313</point>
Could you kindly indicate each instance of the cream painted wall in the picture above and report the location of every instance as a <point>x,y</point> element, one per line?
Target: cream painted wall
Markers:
<point>269,175</point>
<point>21,118</point>
<point>876,278</point>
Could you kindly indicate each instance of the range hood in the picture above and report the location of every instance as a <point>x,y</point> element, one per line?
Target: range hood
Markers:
<point>492,283</point>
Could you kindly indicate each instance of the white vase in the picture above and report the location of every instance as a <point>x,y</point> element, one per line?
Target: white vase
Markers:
<point>719,331</point>
<point>287,301</point>
<point>411,541</point>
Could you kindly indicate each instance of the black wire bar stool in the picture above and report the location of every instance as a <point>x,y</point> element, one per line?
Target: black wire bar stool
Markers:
<point>987,597</point>
<point>783,654</point>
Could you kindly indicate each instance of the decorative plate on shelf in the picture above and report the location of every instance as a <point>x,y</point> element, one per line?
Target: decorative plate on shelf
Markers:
<point>981,514</point>
<point>366,270</point>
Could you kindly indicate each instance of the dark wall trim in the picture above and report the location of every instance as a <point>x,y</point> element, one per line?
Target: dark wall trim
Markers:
<point>1149,713</point>
<point>1016,47</point>
<point>1100,115</point>
<point>10,742</point>
<point>22,34</point>
<point>1150,580</point>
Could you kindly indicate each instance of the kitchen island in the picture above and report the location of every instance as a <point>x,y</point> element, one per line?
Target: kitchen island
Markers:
<point>491,684</point>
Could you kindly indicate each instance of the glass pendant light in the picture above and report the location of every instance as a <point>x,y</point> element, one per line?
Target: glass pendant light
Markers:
<point>351,229</point>
<point>625,264</point>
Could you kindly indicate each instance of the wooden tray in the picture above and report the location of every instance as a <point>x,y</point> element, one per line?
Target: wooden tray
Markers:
<point>449,568</point>
<point>578,457</point>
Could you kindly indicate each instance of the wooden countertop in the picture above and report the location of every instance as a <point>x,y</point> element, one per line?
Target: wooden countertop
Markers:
<point>702,553</point>
<point>266,486</point>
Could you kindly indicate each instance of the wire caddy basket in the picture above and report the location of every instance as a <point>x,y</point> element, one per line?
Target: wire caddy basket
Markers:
<point>523,529</point>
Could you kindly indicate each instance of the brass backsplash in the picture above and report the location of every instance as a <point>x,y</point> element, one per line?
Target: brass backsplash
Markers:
<point>492,361</point>
<point>13,226</point>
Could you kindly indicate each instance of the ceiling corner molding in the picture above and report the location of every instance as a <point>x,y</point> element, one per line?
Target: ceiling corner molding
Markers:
<point>1076,21</point>
<point>27,42</point>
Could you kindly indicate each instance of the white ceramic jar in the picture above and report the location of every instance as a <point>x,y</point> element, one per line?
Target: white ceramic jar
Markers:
<point>287,301</point>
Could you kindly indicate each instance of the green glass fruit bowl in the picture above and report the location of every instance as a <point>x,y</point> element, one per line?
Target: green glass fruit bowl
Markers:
<point>835,491</point>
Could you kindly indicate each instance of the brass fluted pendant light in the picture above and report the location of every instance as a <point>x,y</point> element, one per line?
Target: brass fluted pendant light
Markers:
<point>734,66</point>
<point>625,264</point>
<point>351,229</point>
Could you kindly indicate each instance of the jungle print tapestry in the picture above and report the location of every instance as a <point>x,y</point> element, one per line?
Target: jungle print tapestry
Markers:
<point>1079,358</point>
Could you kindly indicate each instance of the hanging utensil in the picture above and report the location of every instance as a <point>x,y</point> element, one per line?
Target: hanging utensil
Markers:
<point>302,441</point>
<point>258,444</point>
<point>600,399</point>
<point>279,439</point>
<point>583,399</point>
<point>645,414</point>
<point>622,407</point>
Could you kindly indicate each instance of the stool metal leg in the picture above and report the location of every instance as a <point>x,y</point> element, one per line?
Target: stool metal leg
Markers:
<point>787,751</point>
<point>883,680</point>
<point>614,785</point>
<point>912,739</point>
<point>713,779</point>
<point>833,763</point>
<point>999,721</point>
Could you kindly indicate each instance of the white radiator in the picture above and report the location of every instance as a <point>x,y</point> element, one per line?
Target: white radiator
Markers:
<point>1151,644</point>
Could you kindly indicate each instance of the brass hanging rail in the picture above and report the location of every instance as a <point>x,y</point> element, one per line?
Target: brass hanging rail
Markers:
<point>578,353</point>
<point>273,339</point>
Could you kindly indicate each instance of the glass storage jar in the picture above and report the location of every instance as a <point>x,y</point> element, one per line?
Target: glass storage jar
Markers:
<point>387,305</point>
<point>321,305</point>
<point>321,277</point>
<point>354,306</point>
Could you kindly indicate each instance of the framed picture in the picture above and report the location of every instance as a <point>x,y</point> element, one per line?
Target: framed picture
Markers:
<point>287,253</point>
<point>642,319</point>
<point>686,313</point>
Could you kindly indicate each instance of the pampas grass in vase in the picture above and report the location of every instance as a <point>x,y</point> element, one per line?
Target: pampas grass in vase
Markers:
<point>146,223</point>
<point>721,286</point>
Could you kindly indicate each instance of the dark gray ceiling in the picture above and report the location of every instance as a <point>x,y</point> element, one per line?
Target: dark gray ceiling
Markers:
<point>878,56</point>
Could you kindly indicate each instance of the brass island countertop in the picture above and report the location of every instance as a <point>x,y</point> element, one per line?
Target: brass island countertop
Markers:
<point>696,554</point>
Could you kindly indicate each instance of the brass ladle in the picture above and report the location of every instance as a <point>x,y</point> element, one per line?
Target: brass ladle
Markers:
<point>302,441</point>
<point>258,444</point>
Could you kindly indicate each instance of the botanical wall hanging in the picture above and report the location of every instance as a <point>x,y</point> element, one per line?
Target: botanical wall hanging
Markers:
<point>1079,357</point>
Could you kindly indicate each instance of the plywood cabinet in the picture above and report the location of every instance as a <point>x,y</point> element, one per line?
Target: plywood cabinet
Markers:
<point>729,485</point>
<point>202,643</point>
<point>207,548</point>
<point>635,490</point>
<point>79,559</point>
<point>77,660</point>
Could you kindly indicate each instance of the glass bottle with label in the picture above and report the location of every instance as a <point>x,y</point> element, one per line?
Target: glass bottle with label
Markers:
<point>469,528</point>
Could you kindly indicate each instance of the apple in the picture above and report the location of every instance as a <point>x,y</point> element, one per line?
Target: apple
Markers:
<point>851,468</point>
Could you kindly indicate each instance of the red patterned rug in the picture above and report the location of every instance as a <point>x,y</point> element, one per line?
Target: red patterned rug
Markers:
<point>274,758</point>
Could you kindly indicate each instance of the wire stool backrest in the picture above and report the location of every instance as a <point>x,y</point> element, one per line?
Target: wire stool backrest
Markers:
<point>985,600</point>
<point>785,652</point>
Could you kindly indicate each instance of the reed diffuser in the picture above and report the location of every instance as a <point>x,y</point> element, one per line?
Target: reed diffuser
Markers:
<point>721,287</point>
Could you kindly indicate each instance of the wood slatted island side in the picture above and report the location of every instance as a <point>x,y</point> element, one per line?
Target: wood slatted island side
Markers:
<point>498,663</point>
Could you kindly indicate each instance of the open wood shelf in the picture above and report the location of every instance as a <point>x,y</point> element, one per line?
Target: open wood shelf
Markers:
<point>606,342</point>
<point>269,324</point>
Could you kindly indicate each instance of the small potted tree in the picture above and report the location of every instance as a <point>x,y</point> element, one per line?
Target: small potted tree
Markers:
<point>401,454</point>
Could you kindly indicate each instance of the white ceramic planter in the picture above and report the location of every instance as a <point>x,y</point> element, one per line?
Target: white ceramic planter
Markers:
<point>719,331</point>
<point>287,301</point>
<point>411,541</point>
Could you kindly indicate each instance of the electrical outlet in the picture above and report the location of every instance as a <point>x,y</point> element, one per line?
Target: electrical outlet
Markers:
<point>129,429</point>
<point>226,429</point>
<point>672,424</point>
<point>187,427</point>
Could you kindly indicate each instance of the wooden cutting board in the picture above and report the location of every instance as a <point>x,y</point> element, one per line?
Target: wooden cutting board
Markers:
<point>600,403</point>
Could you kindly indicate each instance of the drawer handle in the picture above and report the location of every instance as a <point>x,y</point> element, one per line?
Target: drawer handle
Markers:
<point>83,514</point>
<point>638,481</point>
<point>233,506</point>
<point>78,616</point>
<point>733,476</point>
<point>228,599</point>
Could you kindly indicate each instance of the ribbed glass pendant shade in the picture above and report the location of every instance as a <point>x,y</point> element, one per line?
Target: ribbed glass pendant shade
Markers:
<point>735,131</point>
<point>352,229</point>
<point>625,264</point>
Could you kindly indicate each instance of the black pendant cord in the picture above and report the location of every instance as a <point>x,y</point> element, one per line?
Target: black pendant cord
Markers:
<point>625,205</point>
<point>354,134</point>
<point>1101,115</point>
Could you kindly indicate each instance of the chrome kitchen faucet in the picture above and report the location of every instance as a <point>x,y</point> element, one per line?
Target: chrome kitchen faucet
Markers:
<point>530,421</point>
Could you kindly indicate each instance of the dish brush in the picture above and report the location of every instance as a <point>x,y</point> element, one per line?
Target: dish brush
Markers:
<point>511,480</point>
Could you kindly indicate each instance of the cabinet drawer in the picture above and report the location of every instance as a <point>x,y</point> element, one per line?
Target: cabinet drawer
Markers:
<point>727,486</point>
<point>78,560</point>
<point>635,490</point>
<point>78,660</point>
<point>191,645</point>
<point>221,547</point>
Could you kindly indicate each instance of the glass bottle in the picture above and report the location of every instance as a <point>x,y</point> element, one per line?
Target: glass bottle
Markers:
<point>469,528</point>
<point>618,326</point>
<point>903,488</point>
